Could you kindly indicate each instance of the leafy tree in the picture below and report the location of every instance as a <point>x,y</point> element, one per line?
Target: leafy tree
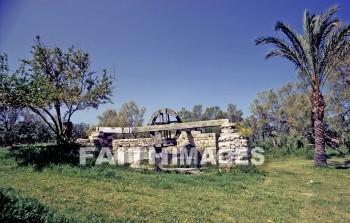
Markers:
<point>197,113</point>
<point>323,45</point>
<point>31,133</point>
<point>234,114</point>
<point>339,101</point>
<point>8,115</point>
<point>131,114</point>
<point>252,123</point>
<point>280,117</point>
<point>109,118</point>
<point>80,131</point>
<point>28,129</point>
<point>55,84</point>
<point>185,115</point>
<point>191,116</point>
<point>211,113</point>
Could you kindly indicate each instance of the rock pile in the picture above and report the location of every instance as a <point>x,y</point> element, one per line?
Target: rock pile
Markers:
<point>233,148</point>
<point>98,139</point>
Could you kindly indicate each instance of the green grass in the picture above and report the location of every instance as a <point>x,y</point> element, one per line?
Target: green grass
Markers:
<point>283,190</point>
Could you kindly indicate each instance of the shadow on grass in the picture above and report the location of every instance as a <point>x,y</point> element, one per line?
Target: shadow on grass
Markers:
<point>43,156</point>
<point>339,165</point>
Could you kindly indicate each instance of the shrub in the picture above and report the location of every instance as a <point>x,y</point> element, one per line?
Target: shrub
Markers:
<point>25,133</point>
<point>14,208</point>
<point>250,169</point>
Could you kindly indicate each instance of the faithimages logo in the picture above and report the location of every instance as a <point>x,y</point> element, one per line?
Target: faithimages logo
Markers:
<point>186,156</point>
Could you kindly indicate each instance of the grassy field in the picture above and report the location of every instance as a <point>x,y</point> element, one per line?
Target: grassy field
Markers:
<point>282,190</point>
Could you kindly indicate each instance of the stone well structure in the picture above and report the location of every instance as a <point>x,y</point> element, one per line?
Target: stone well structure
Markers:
<point>225,149</point>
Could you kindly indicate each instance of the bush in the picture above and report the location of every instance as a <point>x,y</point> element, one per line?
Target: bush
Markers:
<point>80,131</point>
<point>26,133</point>
<point>306,151</point>
<point>42,156</point>
<point>249,169</point>
<point>14,208</point>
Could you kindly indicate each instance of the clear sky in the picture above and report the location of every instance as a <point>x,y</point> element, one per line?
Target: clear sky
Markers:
<point>166,53</point>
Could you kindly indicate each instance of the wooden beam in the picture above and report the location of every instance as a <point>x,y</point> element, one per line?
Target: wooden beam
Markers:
<point>122,130</point>
<point>157,128</point>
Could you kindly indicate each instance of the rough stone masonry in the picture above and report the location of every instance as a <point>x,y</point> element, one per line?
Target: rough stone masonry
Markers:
<point>227,148</point>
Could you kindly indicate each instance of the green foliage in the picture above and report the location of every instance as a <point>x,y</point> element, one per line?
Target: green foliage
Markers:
<point>323,45</point>
<point>249,169</point>
<point>243,129</point>
<point>109,118</point>
<point>26,133</point>
<point>285,190</point>
<point>131,114</point>
<point>128,115</point>
<point>280,118</point>
<point>233,114</point>
<point>8,115</point>
<point>211,113</point>
<point>31,133</point>
<point>25,127</point>
<point>288,152</point>
<point>80,131</point>
<point>55,84</point>
<point>338,99</point>
<point>43,156</point>
<point>15,209</point>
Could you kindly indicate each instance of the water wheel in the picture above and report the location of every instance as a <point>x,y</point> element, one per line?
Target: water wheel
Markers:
<point>161,117</point>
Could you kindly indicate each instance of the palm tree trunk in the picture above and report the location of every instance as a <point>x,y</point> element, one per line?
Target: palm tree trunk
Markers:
<point>318,106</point>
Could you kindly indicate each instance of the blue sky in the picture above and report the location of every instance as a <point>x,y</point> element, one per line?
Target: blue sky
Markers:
<point>166,53</point>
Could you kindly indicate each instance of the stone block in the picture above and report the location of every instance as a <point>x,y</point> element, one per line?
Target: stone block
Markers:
<point>225,157</point>
<point>224,145</point>
<point>83,141</point>
<point>211,143</point>
<point>195,134</point>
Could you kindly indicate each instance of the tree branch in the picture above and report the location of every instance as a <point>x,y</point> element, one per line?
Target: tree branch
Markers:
<point>44,118</point>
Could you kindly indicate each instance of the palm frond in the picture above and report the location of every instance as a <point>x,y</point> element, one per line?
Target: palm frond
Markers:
<point>327,23</point>
<point>282,49</point>
<point>337,48</point>
<point>295,39</point>
<point>324,42</point>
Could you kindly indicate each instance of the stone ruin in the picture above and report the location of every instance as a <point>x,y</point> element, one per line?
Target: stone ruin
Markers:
<point>225,149</point>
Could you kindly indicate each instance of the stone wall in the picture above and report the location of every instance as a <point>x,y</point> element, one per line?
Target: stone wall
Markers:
<point>141,142</point>
<point>233,148</point>
<point>99,139</point>
<point>228,148</point>
<point>197,139</point>
<point>131,151</point>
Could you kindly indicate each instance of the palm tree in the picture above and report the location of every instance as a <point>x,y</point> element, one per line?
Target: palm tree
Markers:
<point>314,54</point>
